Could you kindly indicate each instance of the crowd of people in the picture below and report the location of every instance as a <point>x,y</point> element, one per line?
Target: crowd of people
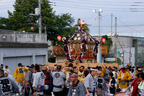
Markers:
<point>40,80</point>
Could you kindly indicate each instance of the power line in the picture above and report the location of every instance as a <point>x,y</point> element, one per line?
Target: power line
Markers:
<point>134,25</point>
<point>109,1</point>
<point>98,1</point>
<point>92,17</point>
<point>110,5</point>
<point>81,5</point>
<point>102,3</point>
<point>122,25</point>
<point>130,29</point>
<point>120,44</point>
<point>87,8</point>
<point>129,26</point>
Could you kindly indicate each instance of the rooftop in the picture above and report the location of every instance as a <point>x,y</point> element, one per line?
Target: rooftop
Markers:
<point>122,34</point>
<point>58,50</point>
<point>22,37</point>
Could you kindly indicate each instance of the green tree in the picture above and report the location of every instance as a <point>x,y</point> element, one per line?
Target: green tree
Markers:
<point>108,42</point>
<point>20,19</point>
<point>119,61</point>
<point>62,26</point>
<point>4,23</point>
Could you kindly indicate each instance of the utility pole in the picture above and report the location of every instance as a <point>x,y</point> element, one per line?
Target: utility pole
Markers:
<point>45,33</point>
<point>40,22</point>
<point>111,24</point>
<point>123,58</point>
<point>130,56</point>
<point>115,38</point>
<point>99,38</point>
<point>99,49</point>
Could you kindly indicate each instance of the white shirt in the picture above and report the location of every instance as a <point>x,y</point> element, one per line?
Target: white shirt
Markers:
<point>7,70</point>
<point>122,74</point>
<point>38,79</point>
<point>110,81</point>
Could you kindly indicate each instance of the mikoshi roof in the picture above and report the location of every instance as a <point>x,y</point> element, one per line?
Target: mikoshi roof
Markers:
<point>81,35</point>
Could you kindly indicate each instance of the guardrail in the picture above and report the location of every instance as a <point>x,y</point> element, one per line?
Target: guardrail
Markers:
<point>24,38</point>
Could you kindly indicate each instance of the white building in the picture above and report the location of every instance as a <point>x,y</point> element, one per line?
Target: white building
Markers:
<point>23,48</point>
<point>127,55</point>
<point>132,47</point>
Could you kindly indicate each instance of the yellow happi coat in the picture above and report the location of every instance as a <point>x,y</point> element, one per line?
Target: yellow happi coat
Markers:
<point>82,79</point>
<point>126,76</point>
<point>19,74</point>
<point>103,72</point>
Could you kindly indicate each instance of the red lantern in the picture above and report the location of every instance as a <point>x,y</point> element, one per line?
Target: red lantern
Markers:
<point>86,37</point>
<point>32,28</point>
<point>79,22</point>
<point>59,38</point>
<point>103,40</point>
<point>24,31</point>
<point>4,36</point>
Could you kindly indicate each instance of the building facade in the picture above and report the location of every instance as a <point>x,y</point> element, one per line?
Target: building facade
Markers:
<point>132,47</point>
<point>25,48</point>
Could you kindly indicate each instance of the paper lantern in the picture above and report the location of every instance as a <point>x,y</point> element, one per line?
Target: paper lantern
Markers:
<point>86,37</point>
<point>79,22</point>
<point>59,38</point>
<point>103,40</point>
<point>32,28</point>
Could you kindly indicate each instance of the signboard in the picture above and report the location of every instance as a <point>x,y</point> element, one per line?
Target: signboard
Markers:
<point>110,59</point>
<point>118,53</point>
<point>104,50</point>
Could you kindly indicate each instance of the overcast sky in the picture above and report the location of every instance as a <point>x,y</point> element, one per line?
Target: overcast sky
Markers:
<point>128,22</point>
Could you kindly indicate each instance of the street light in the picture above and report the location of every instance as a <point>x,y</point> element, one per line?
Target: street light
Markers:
<point>99,49</point>
<point>100,10</point>
<point>94,10</point>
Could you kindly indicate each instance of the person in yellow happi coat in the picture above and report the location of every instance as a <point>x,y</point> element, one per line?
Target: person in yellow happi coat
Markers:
<point>103,70</point>
<point>82,79</point>
<point>123,77</point>
<point>19,73</point>
<point>81,71</point>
